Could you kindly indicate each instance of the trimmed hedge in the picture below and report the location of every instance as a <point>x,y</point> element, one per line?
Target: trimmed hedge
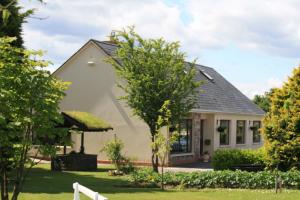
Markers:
<point>228,158</point>
<point>218,179</point>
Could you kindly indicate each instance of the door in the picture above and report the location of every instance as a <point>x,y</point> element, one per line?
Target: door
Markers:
<point>201,136</point>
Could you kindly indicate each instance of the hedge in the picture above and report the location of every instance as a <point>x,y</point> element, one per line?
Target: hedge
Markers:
<point>218,179</point>
<point>228,158</point>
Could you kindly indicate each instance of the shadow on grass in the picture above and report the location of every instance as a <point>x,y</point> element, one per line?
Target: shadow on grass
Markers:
<point>43,180</point>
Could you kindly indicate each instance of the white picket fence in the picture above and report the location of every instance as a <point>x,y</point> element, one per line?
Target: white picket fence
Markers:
<point>86,191</point>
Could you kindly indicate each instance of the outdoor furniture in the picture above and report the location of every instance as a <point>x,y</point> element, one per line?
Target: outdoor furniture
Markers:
<point>74,162</point>
<point>81,122</point>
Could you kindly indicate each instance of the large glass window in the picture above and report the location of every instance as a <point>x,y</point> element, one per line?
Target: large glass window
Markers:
<point>184,142</point>
<point>240,131</point>
<point>224,135</point>
<point>256,131</point>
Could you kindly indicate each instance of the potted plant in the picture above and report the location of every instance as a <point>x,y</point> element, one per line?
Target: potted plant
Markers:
<point>221,129</point>
<point>207,142</point>
<point>206,156</point>
<point>253,128</point>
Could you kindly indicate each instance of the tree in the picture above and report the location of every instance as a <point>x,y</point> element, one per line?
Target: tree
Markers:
<point>113,150</point>
<point>28,112</point>
<point>282,125</point>
<point>163,143</point>
<point>154,71</point>
<point>12,19</point>
<point>263,101</point>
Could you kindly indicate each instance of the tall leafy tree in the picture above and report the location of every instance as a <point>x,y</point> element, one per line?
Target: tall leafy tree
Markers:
<point>155,71</point>
<point>263,101</point>
<point>29,100</point>
<point>282,124</point>
<point>12,19</point>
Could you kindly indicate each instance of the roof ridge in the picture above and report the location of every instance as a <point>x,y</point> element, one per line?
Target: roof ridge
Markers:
<point>104,42</point>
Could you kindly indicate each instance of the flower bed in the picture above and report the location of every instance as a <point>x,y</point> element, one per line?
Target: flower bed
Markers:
<point>218,179</point>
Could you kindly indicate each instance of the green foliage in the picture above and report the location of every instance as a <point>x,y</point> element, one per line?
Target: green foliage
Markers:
<point>145,175</point>
<point>29,100</point>
<point>227,158</point>
<point>264,101</point>
<point>154,71</point>
<point>218,179</point>
<point>113,150</point>
<point>162,144</point>
<point>12,18</point>
<point>281,128</point>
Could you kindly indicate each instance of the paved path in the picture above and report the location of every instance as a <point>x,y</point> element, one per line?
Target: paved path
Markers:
<point>192,167</point>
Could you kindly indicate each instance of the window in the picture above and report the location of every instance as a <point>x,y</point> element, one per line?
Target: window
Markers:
<point>240,131</point>
<point>184,142</point>
<point>256,131</point>
<point>224,135</point>
<point>207,75</point>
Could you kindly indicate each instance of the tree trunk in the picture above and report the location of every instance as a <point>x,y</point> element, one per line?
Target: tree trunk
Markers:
<point>4,184</point>
<point>18,183</point>
<point>162,177</point>
<point>154,158</point>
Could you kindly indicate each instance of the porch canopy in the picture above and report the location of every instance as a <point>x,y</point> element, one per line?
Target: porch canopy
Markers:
<point>84,122</point>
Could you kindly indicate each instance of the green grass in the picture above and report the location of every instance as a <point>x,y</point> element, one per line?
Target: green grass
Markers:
<point>45,184</point>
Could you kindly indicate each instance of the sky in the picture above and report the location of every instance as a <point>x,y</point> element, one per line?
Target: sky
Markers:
<point>254,44</point>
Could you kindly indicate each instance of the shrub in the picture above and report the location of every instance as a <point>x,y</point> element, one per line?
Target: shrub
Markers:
<point>145,176</point>
<point>218,179</point>
<point>113,150</point>
<point>281,128</point>
<point>228,158</point>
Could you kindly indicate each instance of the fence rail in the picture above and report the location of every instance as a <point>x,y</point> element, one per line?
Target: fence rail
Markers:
<point>86,191</point>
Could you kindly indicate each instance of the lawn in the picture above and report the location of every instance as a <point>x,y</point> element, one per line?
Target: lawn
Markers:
<point>45,184</point>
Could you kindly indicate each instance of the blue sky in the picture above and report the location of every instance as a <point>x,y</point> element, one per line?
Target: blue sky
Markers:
<point>254,44</point>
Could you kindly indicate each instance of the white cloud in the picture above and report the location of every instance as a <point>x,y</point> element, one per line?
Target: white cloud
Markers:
<point>270,26</point>
<point>252,89</point>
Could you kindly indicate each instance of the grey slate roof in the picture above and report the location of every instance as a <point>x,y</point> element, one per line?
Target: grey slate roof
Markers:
<point>217,95</point>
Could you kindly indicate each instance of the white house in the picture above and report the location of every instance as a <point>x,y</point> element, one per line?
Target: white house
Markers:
<point>220,104</point>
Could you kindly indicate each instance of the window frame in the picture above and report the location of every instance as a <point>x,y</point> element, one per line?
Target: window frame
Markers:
<point>228,132</point>
<point>243,134</point>
<point>188,123</point>
<point>256,131</point>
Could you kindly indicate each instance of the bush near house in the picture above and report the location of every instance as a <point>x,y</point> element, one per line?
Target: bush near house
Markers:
<point>217,179</point>
<point>229,158</point>
<point>113,150</point>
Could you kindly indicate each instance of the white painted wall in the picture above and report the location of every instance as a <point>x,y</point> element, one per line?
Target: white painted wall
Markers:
<point>233,119</point>
<point>94,90</point>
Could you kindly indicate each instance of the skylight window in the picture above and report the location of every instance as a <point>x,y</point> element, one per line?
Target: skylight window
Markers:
<point>207,75</point>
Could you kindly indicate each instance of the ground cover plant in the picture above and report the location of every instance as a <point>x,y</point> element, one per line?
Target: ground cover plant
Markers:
<point>218,179</point>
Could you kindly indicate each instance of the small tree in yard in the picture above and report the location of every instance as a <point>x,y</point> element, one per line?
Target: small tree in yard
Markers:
<point>163,143</point>
<point>29,100</point>
<point>113,150</point>
<point>282,125</point>
<point>154,71</point>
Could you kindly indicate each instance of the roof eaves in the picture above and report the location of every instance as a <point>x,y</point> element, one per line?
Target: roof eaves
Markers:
<point>224,112</point>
